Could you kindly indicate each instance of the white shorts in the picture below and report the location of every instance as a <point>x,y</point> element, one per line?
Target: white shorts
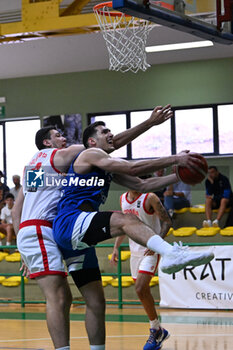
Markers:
<point>39,250</point>
<point>143,264</point>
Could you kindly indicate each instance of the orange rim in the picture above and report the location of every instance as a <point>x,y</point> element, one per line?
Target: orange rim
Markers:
<point>98,8</point>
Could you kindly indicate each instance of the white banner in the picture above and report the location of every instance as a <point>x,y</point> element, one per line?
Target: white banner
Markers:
<point>208,286</point>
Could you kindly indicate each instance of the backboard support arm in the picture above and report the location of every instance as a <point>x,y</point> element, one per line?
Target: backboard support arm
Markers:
<point>173,20</point>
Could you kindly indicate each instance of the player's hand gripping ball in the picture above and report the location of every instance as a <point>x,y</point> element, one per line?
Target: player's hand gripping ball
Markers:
<point>195,176</point>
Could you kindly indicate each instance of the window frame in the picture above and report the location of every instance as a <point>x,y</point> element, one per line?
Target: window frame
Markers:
<point>215,124</point>
<point>3,122</point>
<point>217,105</point>
<point>214,107</point>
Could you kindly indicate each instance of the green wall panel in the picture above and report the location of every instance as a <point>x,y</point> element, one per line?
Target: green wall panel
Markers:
<point>185,83</point>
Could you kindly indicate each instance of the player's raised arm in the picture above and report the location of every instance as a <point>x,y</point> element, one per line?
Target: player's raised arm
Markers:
<point>158,116</point>
<point>99,158</point>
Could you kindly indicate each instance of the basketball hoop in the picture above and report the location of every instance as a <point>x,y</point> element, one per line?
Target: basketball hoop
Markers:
<point>125,38</point>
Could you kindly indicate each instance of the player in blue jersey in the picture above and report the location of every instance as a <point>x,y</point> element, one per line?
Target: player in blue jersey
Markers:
<point>55,287</point>
<point>80,225</point>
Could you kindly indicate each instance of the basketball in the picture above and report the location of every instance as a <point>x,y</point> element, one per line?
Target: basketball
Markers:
<point>193,177</point>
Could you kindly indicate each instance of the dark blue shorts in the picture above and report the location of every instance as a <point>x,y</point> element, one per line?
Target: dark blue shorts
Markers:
<point>80,259</point>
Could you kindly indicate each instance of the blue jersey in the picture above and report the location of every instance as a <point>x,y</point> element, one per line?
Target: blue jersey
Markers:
<point>71,223</point>
<point>90,188</point>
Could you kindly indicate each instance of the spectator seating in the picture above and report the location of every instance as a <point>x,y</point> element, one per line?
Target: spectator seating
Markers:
<point>126,281</point>
<point>106,280</point>
<point>154,281</point>
<point>3,255</point>
<point>184,231</point>
<point>181,211</point>
<point>7,283</point>
<point>2,278</point>
<point>197,209</point>
<point>194,216</point>
<point>15,257</point>
<point>227,231</point>
<point>13,281</point>
<point>208,231</point>
<point>170,231</point>
<point>2,235</point>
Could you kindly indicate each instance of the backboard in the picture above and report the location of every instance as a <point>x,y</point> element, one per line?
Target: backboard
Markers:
<point>207,19</point>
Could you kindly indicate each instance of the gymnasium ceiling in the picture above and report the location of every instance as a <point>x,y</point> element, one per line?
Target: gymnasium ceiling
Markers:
<point>35,45</point>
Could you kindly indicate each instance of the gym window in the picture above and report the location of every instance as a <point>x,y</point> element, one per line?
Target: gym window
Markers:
<point>225,127</point>
<point>205,129</point>
<point>194,130</point>
<point>18,144</point>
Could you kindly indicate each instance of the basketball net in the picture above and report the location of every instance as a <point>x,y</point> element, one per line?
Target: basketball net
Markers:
<point>125,38</point>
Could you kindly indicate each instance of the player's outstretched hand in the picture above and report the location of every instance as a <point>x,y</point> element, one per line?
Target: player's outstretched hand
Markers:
<point>160,114</point>
<point>189,160</point>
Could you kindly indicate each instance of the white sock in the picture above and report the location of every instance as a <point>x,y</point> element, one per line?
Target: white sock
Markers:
<point>8,243</point>
<point>0,242</point>
<point>97,347</point>
<point>158,245</point>
<point>64,348</point>
<point>155,324</point>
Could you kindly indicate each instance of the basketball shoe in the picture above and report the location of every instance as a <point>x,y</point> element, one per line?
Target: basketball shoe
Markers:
<point>182,256</point>
<point>156,339</point>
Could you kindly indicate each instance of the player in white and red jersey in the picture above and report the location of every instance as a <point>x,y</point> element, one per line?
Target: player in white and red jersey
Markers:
<point>143,262</point>
<point>39,210</point>
<point>38,248</point>
<point>33,215</point>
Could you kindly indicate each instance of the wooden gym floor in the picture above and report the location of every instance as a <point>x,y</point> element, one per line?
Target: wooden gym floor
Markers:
<point>127,329</point>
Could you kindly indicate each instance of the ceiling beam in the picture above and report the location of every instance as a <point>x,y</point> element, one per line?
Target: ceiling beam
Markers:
<point>44,19</point>
<point>74,8</point>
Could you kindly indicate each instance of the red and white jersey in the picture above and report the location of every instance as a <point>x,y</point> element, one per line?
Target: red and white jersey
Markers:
<point>40,203</point>
<point>137,207</point>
